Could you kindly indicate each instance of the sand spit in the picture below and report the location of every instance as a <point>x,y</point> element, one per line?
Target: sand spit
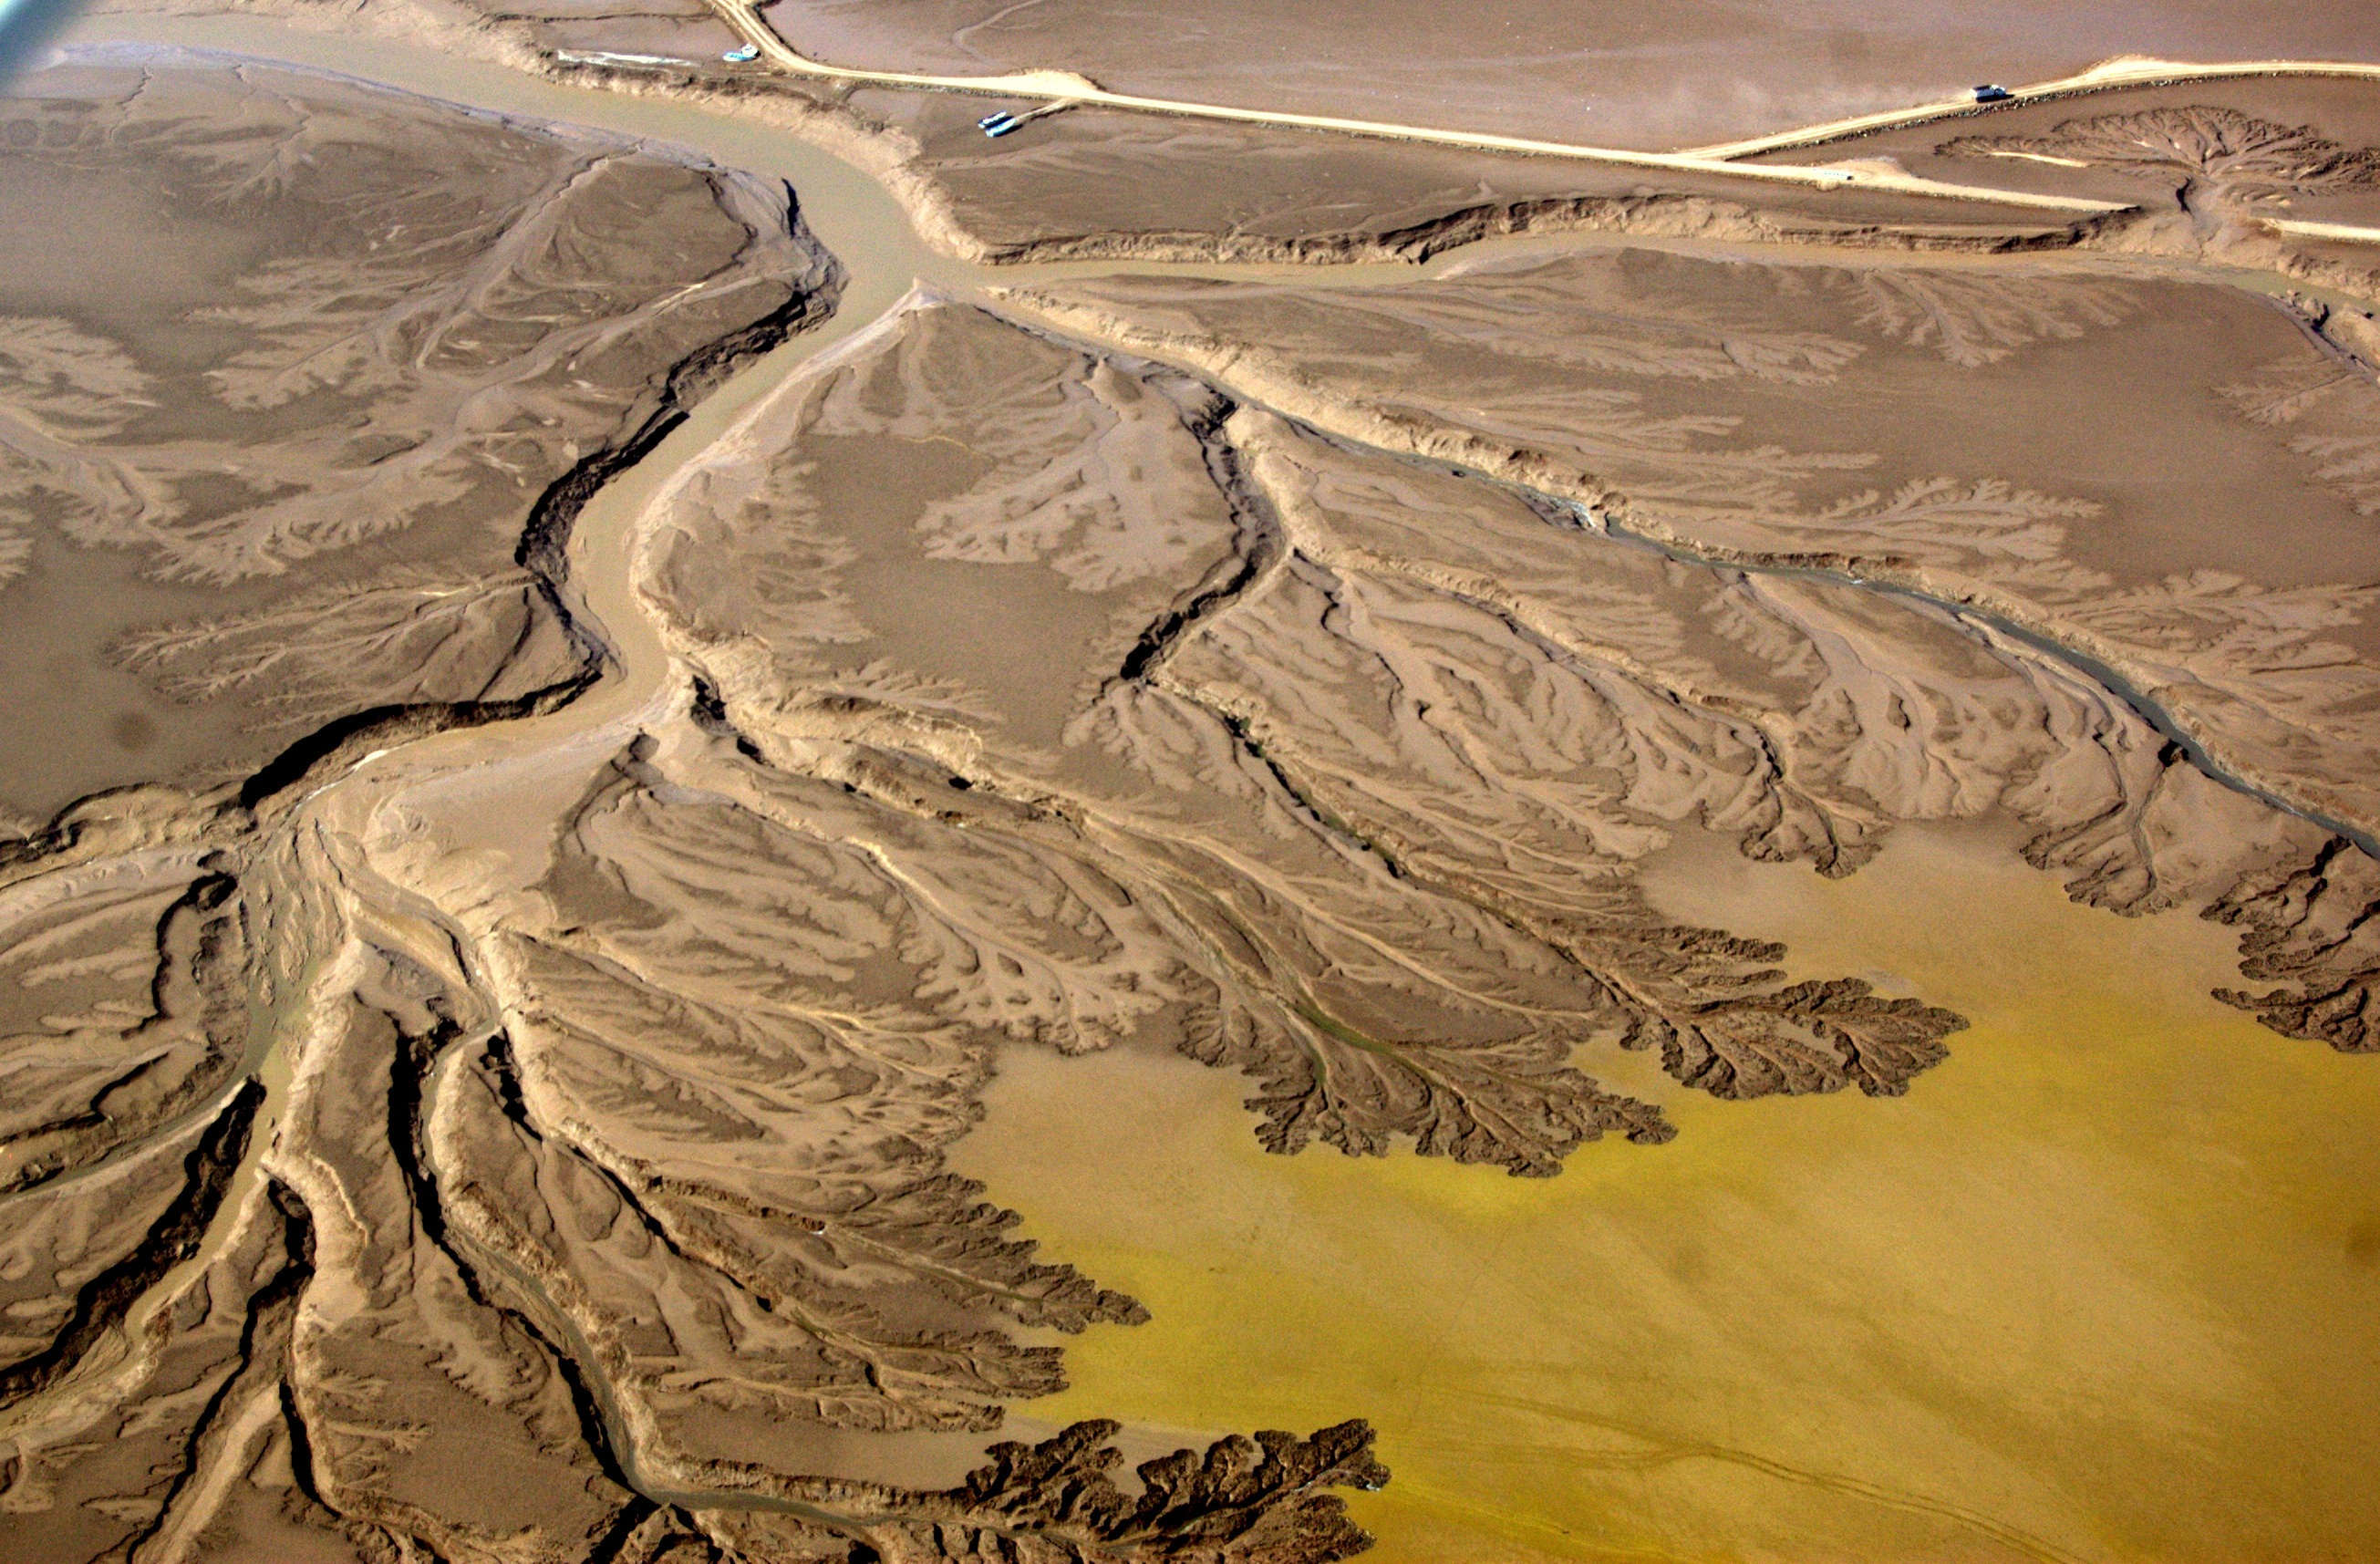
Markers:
<point>558,1068</point>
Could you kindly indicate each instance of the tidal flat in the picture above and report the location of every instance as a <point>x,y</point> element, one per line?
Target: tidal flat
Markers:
<point>1186,838</point>
<point>2099,1286</point>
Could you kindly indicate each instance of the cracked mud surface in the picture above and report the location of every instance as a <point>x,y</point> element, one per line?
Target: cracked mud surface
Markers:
<point>665,743</point>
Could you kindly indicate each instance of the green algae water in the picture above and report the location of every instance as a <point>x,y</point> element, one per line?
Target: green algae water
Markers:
<point>2102,1286</point>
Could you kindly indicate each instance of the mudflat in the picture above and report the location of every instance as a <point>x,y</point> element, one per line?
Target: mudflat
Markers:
<point>1177,836</point>
<point>1703,70</point>
<point>2120,1218</point>
<point>314,364</point>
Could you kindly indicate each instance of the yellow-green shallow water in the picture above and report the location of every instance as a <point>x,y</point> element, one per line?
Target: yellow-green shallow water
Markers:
<point>2102,1286</point>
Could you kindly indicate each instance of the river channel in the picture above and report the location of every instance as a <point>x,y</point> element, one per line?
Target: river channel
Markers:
<point>2103,1287</point>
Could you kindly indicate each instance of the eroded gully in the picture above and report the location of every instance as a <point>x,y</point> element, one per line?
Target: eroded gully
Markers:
<point>541,760</point>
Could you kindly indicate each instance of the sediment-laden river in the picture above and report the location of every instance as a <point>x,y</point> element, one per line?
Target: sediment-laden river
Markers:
<point>2102,1287</point>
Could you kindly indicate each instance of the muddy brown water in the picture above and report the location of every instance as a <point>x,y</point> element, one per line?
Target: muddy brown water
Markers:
<point>2104,1286</point>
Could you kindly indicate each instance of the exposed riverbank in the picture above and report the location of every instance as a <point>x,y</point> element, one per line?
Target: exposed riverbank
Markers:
<point>2121,1218</point>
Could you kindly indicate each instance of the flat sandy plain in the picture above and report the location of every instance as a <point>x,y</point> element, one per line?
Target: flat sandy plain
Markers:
<point>744,830</point>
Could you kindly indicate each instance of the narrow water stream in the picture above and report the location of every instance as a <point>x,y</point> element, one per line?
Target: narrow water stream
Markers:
<point>1968,616</point>
<point>860,224</point>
